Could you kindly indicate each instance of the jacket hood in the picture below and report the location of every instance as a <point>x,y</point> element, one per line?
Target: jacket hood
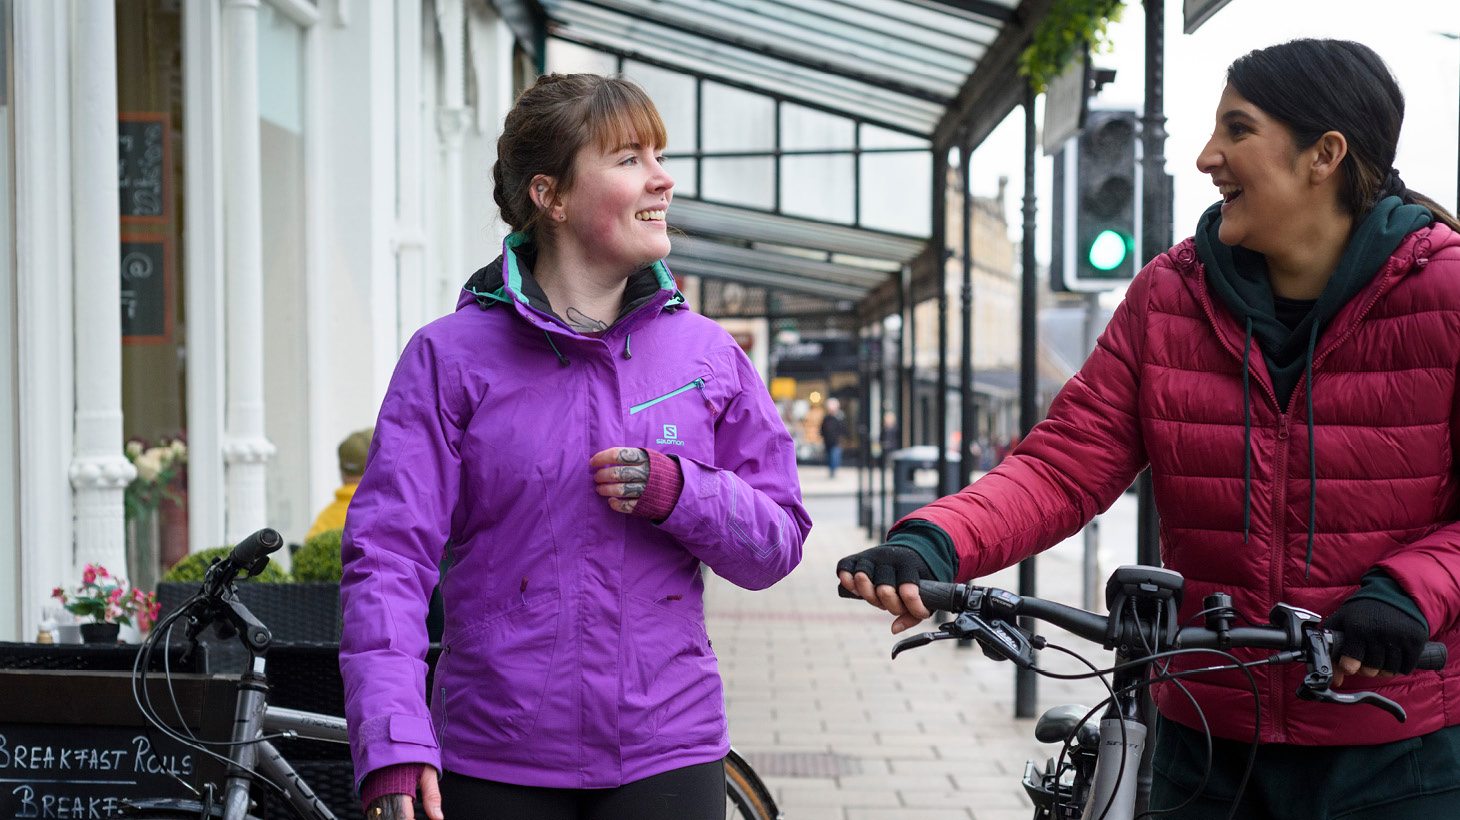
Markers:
<point>1239,278</point>
<point>508,279</point>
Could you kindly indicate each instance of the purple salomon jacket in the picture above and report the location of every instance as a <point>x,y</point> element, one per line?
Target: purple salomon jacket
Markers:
<point>575,647</point>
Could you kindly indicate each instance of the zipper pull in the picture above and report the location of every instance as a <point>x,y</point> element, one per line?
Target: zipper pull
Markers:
<point>1283,427</point>
<point>700,386</point>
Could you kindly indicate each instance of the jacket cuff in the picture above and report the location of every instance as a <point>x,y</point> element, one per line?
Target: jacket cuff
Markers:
<point>398,779</point>
<point>931,543</point>
<point>666,481</point>
<point>1379,585</point>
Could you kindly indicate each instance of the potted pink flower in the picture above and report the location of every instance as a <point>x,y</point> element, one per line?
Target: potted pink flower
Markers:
<point>110,602</point>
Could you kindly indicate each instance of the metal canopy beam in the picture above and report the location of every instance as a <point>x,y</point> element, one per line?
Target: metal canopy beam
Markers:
<point>802,100</point>
<point>641,14</point>
<point>708,219</point>
<point>982,8</point>
<point>757,276</point>
<point>782,264</point>
<point>995,87</point>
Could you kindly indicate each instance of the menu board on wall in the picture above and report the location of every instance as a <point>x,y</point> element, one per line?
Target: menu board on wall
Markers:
<point>142,166</point>
<point>146,290</point>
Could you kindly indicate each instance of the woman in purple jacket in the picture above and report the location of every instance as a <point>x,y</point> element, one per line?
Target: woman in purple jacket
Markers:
<point>578,444</point>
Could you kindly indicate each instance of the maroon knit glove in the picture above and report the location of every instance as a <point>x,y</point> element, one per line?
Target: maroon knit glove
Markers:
<point>401,778</point>
<point>636,481</point>
<point>666,481</point>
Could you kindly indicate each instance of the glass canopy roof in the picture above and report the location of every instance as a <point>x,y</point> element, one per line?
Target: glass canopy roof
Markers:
<point>770,198</point>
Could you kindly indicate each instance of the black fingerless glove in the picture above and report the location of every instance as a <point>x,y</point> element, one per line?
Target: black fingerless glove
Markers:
<point>917,551</point>
<point>888,564</point>
<point>1377,632</point>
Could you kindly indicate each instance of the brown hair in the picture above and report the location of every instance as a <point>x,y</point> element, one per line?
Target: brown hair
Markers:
<point>1317,86</point>
<point>551,122</point>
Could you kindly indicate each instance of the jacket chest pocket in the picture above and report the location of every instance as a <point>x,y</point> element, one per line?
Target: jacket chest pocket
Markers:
<point>679,416</point>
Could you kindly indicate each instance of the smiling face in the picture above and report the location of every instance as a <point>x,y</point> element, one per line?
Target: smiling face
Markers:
<point>615,212</point>
<point>1261,174</point>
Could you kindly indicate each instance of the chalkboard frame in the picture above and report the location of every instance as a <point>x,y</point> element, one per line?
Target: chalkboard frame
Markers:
<point>168,293</point>
<point>72,707</point>
<point>162,119</point>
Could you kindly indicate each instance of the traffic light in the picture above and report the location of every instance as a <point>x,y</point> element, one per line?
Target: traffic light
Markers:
<point>1106,190</point>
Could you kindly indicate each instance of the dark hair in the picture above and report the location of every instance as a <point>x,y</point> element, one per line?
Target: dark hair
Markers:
<point>1316,86</point>
<point>554,119</point>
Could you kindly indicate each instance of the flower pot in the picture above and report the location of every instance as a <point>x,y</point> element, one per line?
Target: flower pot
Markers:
<point>100,633</point>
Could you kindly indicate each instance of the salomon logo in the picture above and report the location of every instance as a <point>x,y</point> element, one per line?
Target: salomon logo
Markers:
<point>671,436</point>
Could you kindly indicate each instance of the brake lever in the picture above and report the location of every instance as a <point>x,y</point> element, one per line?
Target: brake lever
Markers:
<point>1317,684</point>
<point>999,640</point>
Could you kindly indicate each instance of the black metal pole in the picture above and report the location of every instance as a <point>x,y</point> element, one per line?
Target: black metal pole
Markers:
<point>940,270</point>
<point>900,402</point>
<point>1155,238</point>
<point>1155,230</point>
<point>881,523</point>
<point>1025,689</point>
<point>859,422</point>
<point>910,341</point>
<point>968,421</point>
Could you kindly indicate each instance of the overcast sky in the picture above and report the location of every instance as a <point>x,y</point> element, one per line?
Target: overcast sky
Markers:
<point>1403,32</point>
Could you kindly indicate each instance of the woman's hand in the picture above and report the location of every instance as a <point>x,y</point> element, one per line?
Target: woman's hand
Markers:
<point>399,807</point>
<point>887,577</point>
<point>621,474</point>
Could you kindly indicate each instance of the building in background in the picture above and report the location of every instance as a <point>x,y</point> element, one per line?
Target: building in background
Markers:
<point>271,196</point>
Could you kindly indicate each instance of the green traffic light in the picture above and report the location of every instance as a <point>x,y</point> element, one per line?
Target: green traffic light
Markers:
<point>1108,251</point>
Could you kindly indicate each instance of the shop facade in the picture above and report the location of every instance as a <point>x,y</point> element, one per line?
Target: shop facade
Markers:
<point>220,221</point>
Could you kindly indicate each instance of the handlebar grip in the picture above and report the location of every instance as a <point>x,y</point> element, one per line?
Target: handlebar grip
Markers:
<point>254,547</point>
<point>941,595</point>
<point>1433,656</point>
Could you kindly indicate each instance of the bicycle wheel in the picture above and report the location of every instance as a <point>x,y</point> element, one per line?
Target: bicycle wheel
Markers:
<point>746,797</point>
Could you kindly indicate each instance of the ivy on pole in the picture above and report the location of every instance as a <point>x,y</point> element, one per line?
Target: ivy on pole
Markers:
<point>1061,34</point>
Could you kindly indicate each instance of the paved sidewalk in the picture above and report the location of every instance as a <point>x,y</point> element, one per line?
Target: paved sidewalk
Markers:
<point>841,732</point>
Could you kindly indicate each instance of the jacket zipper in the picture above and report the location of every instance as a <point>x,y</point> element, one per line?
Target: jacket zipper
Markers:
<point>697,384</point>
<point>1275,572</point>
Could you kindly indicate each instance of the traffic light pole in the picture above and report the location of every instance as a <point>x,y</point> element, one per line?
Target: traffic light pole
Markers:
<point>1155,238</point>
<point>1025,689</point>
<point>1155,228</point>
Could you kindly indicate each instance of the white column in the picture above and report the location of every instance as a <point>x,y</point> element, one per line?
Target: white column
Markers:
<point>99,470</point>
<point>43,300</point>
<point>246,450</point>
<point>203,147</point>
<point>452,118</point>
<point>410,242</point>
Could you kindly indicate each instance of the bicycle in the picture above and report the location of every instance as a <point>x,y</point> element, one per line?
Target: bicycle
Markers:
<point>1086,781</point>
<point>249,755</point>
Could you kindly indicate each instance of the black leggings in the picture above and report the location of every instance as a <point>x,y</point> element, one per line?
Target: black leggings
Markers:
<point>692,793</point>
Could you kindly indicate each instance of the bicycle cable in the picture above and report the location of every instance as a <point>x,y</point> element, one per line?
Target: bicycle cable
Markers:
<point>143,701</point>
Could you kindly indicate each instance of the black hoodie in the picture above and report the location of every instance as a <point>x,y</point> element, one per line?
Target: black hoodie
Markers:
<point>1239,279</point>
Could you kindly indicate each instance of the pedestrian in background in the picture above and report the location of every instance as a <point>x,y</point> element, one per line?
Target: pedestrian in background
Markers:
<point>583,442</point>
<point>351,453</point>
<point>1289,374</point>
<point>833,430</point>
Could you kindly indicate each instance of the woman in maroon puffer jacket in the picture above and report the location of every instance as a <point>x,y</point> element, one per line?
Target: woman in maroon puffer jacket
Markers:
<point>1289,375</point>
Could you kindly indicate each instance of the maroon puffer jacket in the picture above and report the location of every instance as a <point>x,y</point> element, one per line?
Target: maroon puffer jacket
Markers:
<point>1164,387</point>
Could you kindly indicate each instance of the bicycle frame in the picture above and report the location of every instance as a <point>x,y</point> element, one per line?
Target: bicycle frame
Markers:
<point>247,752</point>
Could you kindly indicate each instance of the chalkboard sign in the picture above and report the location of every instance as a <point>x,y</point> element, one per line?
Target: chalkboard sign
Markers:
<point>146,290</point>
<point>142,167</point>
<point>55,771</point>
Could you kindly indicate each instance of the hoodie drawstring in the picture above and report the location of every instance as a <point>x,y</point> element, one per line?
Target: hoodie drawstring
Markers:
<point>1312,454</point>
<point>562,360</point>
<point>628,354</point>
<point>1246,437</point>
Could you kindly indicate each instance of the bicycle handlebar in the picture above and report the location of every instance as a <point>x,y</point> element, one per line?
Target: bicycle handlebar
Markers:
<point>250,555</point>
<point>989,601</point>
